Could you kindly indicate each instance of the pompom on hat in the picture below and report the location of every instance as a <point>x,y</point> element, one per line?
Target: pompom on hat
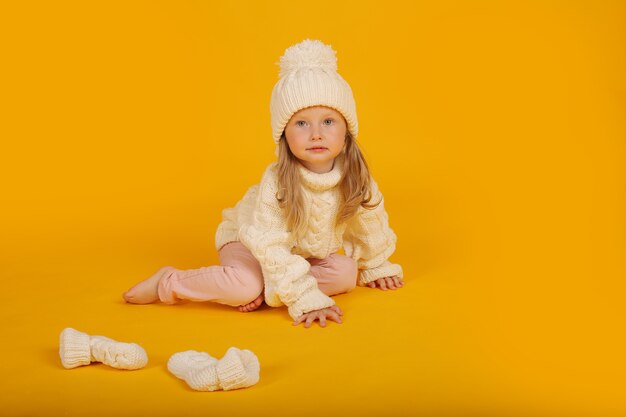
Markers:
<point>308,77</point>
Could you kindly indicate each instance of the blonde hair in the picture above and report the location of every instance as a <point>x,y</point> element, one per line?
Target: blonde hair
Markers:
<point>355,185</point>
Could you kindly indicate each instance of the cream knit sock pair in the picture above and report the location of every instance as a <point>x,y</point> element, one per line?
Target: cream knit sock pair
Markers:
<point>202,372</point>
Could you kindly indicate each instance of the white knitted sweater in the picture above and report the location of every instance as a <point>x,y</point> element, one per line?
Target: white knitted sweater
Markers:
<point>259,223</point>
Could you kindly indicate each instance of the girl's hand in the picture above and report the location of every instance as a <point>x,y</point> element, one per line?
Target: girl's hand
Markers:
<point>334,313</point>
<point>386,283</point>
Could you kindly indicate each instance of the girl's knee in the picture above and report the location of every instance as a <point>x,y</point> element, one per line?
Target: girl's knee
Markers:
<point>347,272</point>
<point>249,286</point>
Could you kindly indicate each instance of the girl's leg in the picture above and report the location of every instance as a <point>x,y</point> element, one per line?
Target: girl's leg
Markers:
<point>335,275</point>
<point>236,281</point>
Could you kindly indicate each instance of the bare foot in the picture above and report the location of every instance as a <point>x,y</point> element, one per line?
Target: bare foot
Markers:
<point>146,291</point>
<point>253,305</point>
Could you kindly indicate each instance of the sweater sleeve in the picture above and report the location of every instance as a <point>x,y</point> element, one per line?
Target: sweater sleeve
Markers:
<point>370,241</point>
<point>286,276</point>
<point>228,229</point>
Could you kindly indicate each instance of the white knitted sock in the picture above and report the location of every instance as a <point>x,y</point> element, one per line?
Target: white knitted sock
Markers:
<point>237,369</point>
<point>78,348</point>
<point>196,368</point>
<point>74,348</point>
<point>117,354</point>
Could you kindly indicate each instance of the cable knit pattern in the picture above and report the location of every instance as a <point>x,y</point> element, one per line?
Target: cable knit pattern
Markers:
<point>260,224</point>
<point>118,355</point>
<point>286,274</point>
<point>370,241</point>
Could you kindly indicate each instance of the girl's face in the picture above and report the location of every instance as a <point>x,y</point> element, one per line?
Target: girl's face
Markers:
<point>316,136</point>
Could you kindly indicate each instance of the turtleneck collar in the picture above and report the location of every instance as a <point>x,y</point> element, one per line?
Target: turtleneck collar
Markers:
<point>322,182</point>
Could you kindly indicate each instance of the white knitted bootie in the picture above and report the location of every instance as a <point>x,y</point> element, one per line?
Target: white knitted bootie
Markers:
<point>202,372</point>
<point>78,349</point>
<point>238,369</point>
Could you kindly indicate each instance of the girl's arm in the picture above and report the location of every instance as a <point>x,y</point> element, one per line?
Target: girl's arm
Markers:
<point>228,229</point>
<point>287,279</point>
<point>370,242</point>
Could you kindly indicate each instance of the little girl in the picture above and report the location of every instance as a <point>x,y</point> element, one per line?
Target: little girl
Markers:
<point>279,243</point>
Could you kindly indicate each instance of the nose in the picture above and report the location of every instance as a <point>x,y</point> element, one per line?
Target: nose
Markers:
<point>315,134</point>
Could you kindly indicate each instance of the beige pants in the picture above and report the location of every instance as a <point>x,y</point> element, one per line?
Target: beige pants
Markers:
<point>239,279</point>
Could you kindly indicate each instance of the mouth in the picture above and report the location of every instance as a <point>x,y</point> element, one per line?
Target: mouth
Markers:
<point>317,148</point>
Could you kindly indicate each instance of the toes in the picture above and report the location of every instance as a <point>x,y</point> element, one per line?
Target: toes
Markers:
<point>128,296</point>
<point>251,306</point>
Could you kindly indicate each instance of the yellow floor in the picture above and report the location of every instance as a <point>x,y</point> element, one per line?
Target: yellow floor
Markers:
<point>495,131</point>
<point>452,342</point>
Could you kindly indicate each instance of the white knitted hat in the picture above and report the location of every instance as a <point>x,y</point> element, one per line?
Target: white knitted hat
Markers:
<point>308,77</point>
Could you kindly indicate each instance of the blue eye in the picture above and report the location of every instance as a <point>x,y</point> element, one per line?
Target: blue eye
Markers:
<point>328,122</point>
<point>300,123</point>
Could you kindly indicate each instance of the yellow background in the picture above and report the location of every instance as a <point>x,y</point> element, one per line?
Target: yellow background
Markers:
<point>496,131</point>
